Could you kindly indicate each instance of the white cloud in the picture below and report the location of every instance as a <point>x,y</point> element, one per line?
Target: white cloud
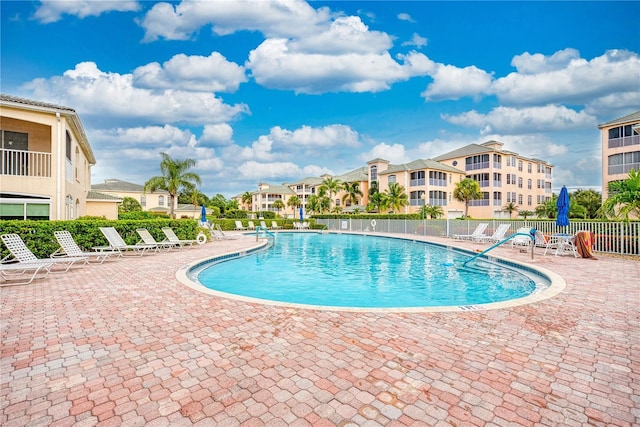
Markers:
<point>538,63</point>
<point>417,41</point>
<point>102,95</point>
<point>258,171</point>
<point>274,18</point>
<point>323,137</point>
<point>405,17</point>
<point>218,134</point>
<point>578,81</point>
<point>451,82</point>
<point>273,65</point>
<point>211,73</point>
<point>52,10</point>
<point>524,120</point>
<point>395,153</point>
<point>153,136</point>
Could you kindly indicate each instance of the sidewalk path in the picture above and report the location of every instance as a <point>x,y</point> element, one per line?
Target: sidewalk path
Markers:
<point>124,343</point>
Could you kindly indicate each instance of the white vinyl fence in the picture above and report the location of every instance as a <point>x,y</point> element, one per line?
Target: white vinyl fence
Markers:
<point>621,238</point>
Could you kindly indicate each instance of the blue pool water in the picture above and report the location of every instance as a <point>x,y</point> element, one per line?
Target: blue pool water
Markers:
<point>365,271</point>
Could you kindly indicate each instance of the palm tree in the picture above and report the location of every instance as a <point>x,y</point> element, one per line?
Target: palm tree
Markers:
<point>548,209</point>
<point>434,212</point>
<point>293,203</point>
<point>510,208</point>
<point>330,187</point>
<point>175,177</point>
<point>247,199</point>
<point>525,214</point>
<point>313,204</point>
<point>624,198</point>
<point>396,196</point>
<point>590,199</point>
<point>466,190</point>
<point>277,205</point>
<point>352,191</point>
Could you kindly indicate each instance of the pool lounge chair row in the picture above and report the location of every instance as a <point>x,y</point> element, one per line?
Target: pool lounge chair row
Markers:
<point>21,266</point>
<point>252,226</point>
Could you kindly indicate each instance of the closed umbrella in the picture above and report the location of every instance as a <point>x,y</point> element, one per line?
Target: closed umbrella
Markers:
<point>563,208</point>
<point>301,214</point>
<point>203,214</point>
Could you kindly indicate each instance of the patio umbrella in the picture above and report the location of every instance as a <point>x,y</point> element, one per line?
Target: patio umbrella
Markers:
<point>301,214</point>
<point>563,208</point>
<point>203,214</point>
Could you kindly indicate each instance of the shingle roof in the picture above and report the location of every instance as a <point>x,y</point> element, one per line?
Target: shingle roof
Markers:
<point>467,150</point>
<point>276,189</point>
<point>356,175</point>
<point>24,101</point>
<point>124,186</point>
<point>96,195</point>
<point>633,117</point>
<point>308,181</point>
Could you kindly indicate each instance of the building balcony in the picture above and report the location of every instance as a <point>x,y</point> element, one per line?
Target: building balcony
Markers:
<point>416,182</point>
<point>438,182</point>
<point>623,169</point>
<point>476,166</point>
<point>624,141</point>
<point>25,163</point>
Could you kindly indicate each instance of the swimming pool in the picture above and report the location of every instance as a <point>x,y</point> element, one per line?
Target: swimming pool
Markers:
<point>369,272</point>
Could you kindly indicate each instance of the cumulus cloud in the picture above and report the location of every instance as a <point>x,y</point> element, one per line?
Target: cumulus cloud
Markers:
<point>405,17</point>
<point>417,41</point>
<point>395,153</point>
<point>322,137</point>
<point>154,136</point>
<point>451,82</point>
<point>98,94</point>
<point>566,78</point>
<point>273,65</point>
<point>274,18</point>
<point>52,10</point>
<point>191,73</point>
<point>524,120</point>
<point>257,171</point>
<point>218,134</point>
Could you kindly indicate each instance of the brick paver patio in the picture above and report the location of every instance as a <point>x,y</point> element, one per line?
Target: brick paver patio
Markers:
<point>124,343</point>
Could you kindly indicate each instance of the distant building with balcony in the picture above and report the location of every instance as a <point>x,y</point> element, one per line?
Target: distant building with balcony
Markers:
<point>266,196</point>
<point>504,177</point>
<point>426,182</point>
<point>45,163</point>
<point>154,201</point>
<point>620,140</point>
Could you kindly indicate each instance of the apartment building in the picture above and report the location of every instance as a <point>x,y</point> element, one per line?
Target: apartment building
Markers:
<point>266,196</point>
<point>155,201</point>
<point>620,141</point>
<point>504,177</point>
<point>45,162</point>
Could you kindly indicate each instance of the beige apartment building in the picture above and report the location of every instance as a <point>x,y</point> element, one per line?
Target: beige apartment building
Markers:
<point>45,162</point>
<point>155,201</point>
<point>620,140</point>
<point>504,177</point>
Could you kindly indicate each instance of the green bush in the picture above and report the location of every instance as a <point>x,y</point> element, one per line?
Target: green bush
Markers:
<point>38,235</point>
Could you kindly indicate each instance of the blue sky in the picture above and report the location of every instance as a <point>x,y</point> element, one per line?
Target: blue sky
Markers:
<point>276,91</point>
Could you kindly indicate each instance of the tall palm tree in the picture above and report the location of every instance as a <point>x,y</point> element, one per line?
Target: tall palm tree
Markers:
<point>624,198</point>
<point>313,204</point>
<point>510,208</point>
<point>293,203</point>
<point>466,190</point>
<point>175,178</point>
<point>277,205</point>
<point>330,187</point>
<point>247,199</point>
<point>396,196</point>
<point>352,190</point>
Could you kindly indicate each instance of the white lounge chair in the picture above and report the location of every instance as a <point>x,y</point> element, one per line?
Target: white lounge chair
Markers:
<point>239,226</point>
<point>477,233</point>
<point>563,244</point>
<point>219,234</point>
<point>251,225</point>
<point>173,238</point>
<point>19,252</point>
<point>23,273</point>
<point>497,235</point>
<point>263,225</point>
<point>148,239</point>
<point>275,226</point>
<point>117,243</point>
<point>69,248</point>
<point>305,225</point>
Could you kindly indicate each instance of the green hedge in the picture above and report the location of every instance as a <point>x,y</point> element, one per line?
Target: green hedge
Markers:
<point>38,235</point>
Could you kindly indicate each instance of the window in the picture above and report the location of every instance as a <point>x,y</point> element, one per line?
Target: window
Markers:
<point>497,161</point>
<point>68,202</point>
<point>497,198</point>
<point>160,200</point>
<point>337,202</point>
<point>519,182</point>
<point>529,167</point>
<point>520,165</point>
<point>416,178</point>
<point>417,198</point>
<point>483,201</point>
<point>77,162</point>
<point>480,161</point>
<point>143,201</point>
<point>374,173</point>
<point>438,178</point>
<point>482,178</point>
<point>529,200</point>
<point>497,179</point>
<point>68,146</point>
<point>529,184</point>
<point>392,178</point>
<point>623,162</point>
<point>519,199</point>
<point>438,198</point>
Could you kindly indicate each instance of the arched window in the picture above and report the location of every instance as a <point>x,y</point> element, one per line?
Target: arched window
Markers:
<point>77,163</point>
<point>160,200</point>
<point>68,207</point>
<point>374,173</point>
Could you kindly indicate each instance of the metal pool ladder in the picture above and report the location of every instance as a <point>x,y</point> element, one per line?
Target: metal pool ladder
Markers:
<point>531,236</point>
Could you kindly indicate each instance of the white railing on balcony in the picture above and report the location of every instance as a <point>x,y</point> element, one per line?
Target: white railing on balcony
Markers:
<point>626,168</point>
<point>475,166</point>
<point>25,163</point>
<point>624,141</point>
<point>622,238</point>
<point>438,182</point>
<point>416,182</point>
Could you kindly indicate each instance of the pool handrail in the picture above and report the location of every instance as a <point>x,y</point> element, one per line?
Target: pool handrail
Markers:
<point>266,232</point>
<point>531,236</point>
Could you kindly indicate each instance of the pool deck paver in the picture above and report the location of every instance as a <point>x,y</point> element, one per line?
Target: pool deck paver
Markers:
<point>125,344</point>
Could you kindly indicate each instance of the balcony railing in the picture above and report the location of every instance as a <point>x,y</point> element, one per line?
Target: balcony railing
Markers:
<point>416,182</point>
<point>626,168</point>
<point>475,166</point>
<point>438,182</point>
<point>624,141</point>
<point>25,163</point>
